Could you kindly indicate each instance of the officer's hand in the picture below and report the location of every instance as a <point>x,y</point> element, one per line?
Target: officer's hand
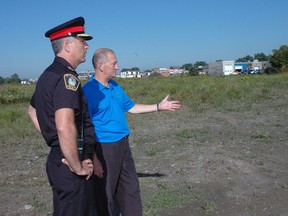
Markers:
<point>87,165</point>
<point>97,166</point>
<point>86,168</point>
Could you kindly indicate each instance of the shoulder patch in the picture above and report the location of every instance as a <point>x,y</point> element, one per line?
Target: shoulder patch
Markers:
<point>71,82</point>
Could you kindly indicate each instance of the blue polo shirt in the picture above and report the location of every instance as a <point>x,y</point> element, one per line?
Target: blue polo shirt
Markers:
<point>107,108</point>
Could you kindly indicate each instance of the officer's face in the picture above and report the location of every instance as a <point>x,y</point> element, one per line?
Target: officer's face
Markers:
<point>110,67</point>
<point>79,49</point>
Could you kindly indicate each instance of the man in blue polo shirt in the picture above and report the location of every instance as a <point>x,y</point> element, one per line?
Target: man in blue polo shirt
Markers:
<point>107,104</point>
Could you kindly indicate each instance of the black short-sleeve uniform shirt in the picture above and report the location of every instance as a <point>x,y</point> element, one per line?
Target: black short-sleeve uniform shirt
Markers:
<point>59,87</point>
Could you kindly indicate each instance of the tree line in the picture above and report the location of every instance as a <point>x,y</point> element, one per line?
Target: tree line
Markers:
<point>278,60</point>
<point>13,79</point>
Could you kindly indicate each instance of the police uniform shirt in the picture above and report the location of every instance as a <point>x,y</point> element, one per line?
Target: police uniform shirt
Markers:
<point>58,87</point>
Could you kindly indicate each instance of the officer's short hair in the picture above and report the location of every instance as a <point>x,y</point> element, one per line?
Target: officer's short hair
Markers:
<point>57,45</point>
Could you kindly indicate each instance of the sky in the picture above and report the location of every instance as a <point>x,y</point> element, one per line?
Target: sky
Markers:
<point>143,33</point>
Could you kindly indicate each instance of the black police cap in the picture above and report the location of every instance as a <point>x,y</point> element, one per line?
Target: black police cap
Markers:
<point>74,27</point>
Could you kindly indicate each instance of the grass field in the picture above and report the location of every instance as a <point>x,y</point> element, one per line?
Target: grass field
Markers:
<point>215,156</point>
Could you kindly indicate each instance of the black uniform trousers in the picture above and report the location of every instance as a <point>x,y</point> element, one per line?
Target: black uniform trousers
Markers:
<point>73,195</point>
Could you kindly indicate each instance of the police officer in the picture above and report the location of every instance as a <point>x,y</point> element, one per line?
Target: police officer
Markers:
<point>59,111</point>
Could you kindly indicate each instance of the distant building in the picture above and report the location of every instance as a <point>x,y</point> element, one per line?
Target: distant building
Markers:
<point>220,68</point>
<point>203,69</point>
<point>130,74</point>
<point>163,71</point>
<point>176,70</point>
<point>241,67</point>
<point>229,67</point>
<point>258,66</point>
<point>25,82</point>
<point>145,73</point>
<point>85,75</point>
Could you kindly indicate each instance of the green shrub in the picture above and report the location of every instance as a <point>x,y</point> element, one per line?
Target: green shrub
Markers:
<point>12,94</point>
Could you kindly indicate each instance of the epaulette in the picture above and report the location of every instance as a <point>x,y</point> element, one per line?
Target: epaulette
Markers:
<point>71,69</point>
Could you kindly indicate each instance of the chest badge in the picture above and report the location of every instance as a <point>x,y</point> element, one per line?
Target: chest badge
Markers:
<point>71,82</point>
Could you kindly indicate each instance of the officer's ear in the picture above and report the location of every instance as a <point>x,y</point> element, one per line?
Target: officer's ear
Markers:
<point>67,46</point>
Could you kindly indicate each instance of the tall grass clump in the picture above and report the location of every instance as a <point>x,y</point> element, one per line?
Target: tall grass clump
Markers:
<point>203,92</point>
<point>149,90</point>
<point>15,93</point>
<point>15,124</point>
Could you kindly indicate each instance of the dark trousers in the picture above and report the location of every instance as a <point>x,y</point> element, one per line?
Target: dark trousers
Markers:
<point>120,182</point>
<point>72,195</point>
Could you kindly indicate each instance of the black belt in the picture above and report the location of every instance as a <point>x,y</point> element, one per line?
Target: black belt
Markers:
<point>57,150</point>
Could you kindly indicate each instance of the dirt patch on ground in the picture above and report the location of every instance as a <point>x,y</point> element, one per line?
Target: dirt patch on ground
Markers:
<point>235,158</point>
<point>227,162</point>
